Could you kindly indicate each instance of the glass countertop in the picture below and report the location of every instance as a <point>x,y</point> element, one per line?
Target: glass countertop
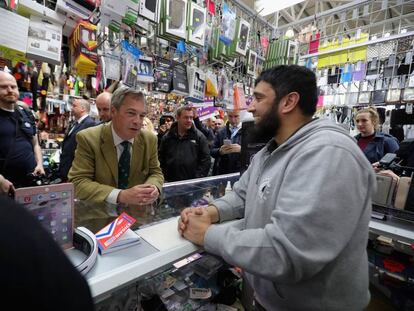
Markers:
<point>176,196</point>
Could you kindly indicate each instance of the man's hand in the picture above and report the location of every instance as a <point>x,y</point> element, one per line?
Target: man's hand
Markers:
<point>140,194</point>
<point>5,185</point>
<point>39,170</point>
<point>183,220</point>
<point>197,224</point>
<point>163,128</point>
<point>376,166</point>
<point>211,211</point>
<point>232,148</point>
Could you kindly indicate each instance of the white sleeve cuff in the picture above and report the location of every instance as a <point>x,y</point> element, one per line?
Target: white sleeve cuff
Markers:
<point>113,196</point>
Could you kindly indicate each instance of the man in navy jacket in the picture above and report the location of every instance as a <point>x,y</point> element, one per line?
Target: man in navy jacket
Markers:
<point>80,110</point>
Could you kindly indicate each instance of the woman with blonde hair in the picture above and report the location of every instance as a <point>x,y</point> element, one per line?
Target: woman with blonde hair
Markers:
<point>147,125</point>
<point>373,143</point>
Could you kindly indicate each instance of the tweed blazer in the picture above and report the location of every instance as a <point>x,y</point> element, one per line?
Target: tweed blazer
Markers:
<point>94,170</point>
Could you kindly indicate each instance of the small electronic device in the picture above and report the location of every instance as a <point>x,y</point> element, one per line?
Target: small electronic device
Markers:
<point>226,141</point>
<point>387,160</point>
<point>53,206</point>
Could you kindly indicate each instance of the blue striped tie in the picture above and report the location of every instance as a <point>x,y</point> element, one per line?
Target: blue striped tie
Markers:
<point>123,166</point>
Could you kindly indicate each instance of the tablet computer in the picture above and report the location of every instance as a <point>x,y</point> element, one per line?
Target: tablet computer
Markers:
<point>53,206</point>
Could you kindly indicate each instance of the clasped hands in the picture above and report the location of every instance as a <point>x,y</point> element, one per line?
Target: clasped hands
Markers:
<point>139,194</point>
<point>194,222</point>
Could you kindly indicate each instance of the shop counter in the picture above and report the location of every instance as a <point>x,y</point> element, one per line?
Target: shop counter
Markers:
<point>160,246</point>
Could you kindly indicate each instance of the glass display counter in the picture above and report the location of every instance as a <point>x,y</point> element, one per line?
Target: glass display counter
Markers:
<point>160,246</point>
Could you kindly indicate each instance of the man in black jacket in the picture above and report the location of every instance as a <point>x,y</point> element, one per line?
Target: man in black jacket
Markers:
<point>184,151</point>
<point>80,110</point>
<point>20,152</point>
<point>227,146</point>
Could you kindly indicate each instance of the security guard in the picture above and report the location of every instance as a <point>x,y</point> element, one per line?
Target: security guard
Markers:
<point>20,153</point>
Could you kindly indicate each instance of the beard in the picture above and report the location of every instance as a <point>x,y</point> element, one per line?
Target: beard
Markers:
<point>268,125</point>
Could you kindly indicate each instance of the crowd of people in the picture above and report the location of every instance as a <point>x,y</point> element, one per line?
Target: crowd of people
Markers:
<point>287,236</point>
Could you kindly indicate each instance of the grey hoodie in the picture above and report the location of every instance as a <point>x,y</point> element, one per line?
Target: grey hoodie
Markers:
<point>304,211</point>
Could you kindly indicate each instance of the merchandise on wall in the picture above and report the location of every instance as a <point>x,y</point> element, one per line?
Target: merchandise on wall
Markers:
<point>196,23</point>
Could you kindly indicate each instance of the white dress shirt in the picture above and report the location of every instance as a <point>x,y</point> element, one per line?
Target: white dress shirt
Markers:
<point>113,196</point>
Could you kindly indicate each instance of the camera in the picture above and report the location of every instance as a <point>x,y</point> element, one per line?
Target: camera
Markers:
<point>387,161</point>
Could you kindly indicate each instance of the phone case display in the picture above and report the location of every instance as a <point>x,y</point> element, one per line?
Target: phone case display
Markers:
<point>211,84</point>
<point>243,32</point>
<point>196,23</point>
<point>373,69</point>
<point>44,41</point>
<point>75,9</point>
<point>149,9</point>
<point>358,73</point>
<point>224,98</point>
<point>83,46</point>
<point>111,67</point>
<point>364,96</point>
<point>251,64</point>
<point>115,11</point>
<point>346,73</point>
<point>130,63</point>
<point>176,18</point>
<point>281,52</point>
<point>378,96</point>
<point>259,65</point>
<point>408,94</point>
<point>196,82</point>
<point>163,75</point>
<point>394,92</point>
<point>351,96</point>
<point>314,43</point>
<point>239,99</point>
<point>180,82</point>
<point>228,25</point>
<point>145,69</point>
<point>390,68</point>
<point>292,53</point>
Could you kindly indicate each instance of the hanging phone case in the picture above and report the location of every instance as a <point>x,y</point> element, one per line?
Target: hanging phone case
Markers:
<point>378,96</point>
<point>364,96</point>
<point>394,92</point>
<point>408,94</point>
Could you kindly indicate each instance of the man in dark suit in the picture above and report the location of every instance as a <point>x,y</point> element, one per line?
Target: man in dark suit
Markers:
<point>80,110</point>
<point>227,146</point>
<point>117,162</point>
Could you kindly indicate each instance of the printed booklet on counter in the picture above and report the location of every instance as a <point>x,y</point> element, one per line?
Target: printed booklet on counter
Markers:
<point>117,235</point>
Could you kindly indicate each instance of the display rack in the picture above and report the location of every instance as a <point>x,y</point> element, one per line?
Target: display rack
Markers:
<point>349,47</point>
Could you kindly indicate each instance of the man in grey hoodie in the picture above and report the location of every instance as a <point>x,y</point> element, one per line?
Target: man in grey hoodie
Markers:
<point>302,207</point>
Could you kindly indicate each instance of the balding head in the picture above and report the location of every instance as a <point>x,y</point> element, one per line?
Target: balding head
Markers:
<point>80,107</point>
<point>9,93</point>
<point>103,103</point>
